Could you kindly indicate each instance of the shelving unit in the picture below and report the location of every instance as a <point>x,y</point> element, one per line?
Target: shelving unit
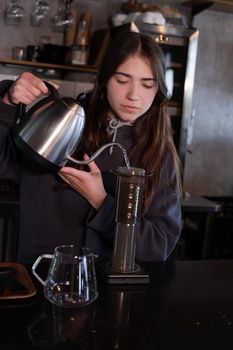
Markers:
<point>180,43</point>
<point>60,67</point>
<point>83,74</point>
<point>177,42</point>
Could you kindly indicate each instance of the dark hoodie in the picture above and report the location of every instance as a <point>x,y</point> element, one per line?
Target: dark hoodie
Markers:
<point>49,218</point>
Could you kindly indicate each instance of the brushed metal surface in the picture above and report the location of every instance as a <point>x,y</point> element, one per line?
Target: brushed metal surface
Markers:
<point>54,130</point>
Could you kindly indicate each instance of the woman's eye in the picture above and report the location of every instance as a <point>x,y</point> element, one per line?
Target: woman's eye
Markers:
<point>148,86</point>
<point>122,81</point>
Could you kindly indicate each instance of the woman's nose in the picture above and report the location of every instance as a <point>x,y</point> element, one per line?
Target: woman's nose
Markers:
<point>133,92</point>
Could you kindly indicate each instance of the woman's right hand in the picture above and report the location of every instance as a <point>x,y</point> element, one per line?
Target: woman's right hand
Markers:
<point>26,89</point>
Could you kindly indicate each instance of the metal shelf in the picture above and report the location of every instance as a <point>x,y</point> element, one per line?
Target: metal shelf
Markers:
<point>180,44</point>
<point>62,67</point>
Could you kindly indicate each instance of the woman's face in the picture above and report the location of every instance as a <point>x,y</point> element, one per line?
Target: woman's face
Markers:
<point>132,89</point>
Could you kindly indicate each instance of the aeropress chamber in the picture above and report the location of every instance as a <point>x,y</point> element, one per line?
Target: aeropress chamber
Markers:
<point>123,269</point>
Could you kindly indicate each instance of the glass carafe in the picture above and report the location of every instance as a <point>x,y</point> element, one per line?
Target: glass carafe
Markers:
<point>14,13</point>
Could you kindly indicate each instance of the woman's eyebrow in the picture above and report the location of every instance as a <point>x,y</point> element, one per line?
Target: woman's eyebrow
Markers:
<point>129,76</point>
<point>124,74</point>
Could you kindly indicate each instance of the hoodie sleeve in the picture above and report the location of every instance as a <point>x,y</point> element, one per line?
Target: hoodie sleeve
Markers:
<point>160,225</point>
<point>8,117</point>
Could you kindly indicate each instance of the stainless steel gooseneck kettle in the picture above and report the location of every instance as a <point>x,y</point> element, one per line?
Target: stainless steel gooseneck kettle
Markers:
<point>50,131</point>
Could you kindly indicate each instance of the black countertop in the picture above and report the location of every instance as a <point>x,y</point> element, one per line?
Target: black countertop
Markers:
<point>187,305</point>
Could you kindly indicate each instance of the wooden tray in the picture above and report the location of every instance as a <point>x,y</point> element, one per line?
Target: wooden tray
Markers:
<point>23,277</point>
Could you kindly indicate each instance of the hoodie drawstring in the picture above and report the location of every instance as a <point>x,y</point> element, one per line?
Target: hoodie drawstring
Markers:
<point>112,128</point>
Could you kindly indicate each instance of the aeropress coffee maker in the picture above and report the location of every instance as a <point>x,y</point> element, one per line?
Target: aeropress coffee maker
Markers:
<point>123,269</point>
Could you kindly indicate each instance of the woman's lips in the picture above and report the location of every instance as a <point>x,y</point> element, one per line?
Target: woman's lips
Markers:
<point>130,109</point>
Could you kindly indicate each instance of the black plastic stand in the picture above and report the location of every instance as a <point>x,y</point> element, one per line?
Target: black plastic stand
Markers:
<point>111,276</point>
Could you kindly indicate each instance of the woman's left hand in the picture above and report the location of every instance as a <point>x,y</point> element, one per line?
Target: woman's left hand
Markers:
<point>88,184</point>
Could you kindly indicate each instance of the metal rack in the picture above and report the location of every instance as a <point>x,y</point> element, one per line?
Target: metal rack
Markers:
<point>181,44</point>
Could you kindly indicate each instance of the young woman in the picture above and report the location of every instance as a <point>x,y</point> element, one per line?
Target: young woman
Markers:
<point>128,106</point>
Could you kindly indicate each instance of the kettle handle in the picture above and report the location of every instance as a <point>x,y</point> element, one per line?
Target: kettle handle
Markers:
<point>54,94</point>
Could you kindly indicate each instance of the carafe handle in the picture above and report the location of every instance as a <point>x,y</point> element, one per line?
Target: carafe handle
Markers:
<point>36,263</point>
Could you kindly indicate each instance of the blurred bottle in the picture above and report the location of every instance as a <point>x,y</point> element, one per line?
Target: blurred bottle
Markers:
<point>80,49</point>
<point>18,53</point>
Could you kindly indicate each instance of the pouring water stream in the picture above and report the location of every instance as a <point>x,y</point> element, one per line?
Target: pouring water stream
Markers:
<point>100,150</point>
<point>96,154</point>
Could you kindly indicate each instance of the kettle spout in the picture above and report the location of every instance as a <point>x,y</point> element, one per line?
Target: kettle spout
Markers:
<point>100,150</point>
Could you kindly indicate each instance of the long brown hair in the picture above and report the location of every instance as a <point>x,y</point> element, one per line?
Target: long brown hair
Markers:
<point>153,129</point>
